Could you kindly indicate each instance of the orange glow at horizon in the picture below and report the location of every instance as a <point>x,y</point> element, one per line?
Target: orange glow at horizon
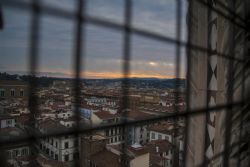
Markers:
<point>110,75</point>
<point>113,75</point>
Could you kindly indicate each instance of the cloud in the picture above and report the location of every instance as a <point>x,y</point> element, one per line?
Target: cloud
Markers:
<point>103,47</point>
<point>151,63</point>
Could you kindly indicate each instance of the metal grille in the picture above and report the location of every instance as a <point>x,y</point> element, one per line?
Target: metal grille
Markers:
<point>80,19</point>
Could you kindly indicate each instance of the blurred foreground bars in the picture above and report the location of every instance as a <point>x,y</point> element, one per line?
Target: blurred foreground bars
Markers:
<point>217,114</point>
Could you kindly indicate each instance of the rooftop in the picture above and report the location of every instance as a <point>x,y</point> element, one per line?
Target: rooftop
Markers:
<point>158,146</point>
<point>136,115</point>
<point>13,83</point>
<point>161,128</point>
<point>105,115</point>
<point>106,158</point>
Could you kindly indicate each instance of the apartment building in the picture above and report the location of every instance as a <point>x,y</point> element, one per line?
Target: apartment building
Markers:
<point>13,89</point>
<point>10,155</point>
<point>63,148</point>
<point>96,153</point>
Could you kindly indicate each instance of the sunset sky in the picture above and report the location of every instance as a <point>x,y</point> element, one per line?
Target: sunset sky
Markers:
<point>103,47</point>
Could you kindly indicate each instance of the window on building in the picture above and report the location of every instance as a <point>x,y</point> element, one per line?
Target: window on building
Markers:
<point>76,143</point>
<point>24,151</point>
<point>152,135</point>
<point>76,156</point>
<point>56,144</point>
<point>12,92</point>
<point>159,137</point>
<point>66,145</point>
<point>52,154</point>
<point>9,154</point>
<point>119,130</point>
<point>47,151</point>
<point>16,153</point>
<point>2,93</point>
<point>56,156</point>
<point>52,142</point>
<point>66,157</point>
<point>107,132</point>
<point>21,93</point>
<point>9,122</point>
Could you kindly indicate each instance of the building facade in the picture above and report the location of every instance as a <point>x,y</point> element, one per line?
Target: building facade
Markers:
<point>13,89</point>
<point>221,82</point>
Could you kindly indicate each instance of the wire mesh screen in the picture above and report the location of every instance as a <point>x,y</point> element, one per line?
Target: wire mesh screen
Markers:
<point>214,121</point>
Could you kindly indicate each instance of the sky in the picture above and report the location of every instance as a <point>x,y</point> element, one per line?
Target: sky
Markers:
<point>103,47</point>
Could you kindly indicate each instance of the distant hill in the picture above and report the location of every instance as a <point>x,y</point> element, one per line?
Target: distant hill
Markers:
<point>140,82</point>
<point>134,82</point>
<point>42,81</point>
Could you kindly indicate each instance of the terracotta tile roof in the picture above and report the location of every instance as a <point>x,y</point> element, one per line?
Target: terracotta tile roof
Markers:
<point>51,126</point>
<point>155,165</point>
<point>6,116</point>
<point>155,160</point>
<point>70,119</point>
<point>136,115</point>
<point>131,151</point>
<point>13,82</point>
<point>137,151</point>
<point>168,128</point>
<point>25,158</point>
<point>106,158</point>
<point>50,163</point>
<point>165,128</point>
<point>105,115</point>
<point>24,119</point>
<point>12,133</point>
<point>163,146</point>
